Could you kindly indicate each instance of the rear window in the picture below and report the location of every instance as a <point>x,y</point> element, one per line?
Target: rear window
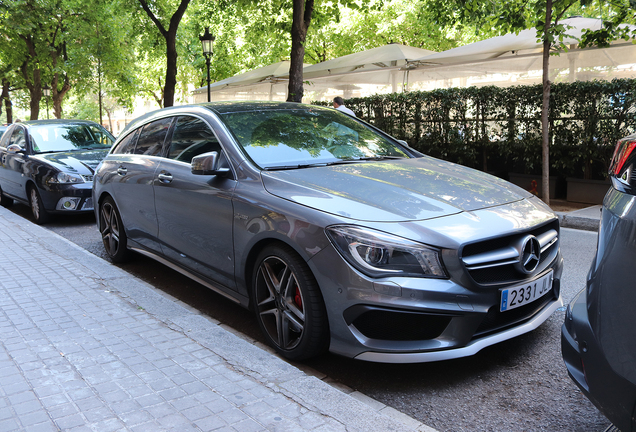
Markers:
<point>153,135</point>
<point>127,144</point>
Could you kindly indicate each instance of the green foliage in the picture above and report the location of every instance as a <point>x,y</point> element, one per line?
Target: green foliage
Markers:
<point>499,129</point>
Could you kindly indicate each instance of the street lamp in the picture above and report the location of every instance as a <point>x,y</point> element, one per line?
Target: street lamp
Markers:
<point>47,93</point>
<point>206,41</point>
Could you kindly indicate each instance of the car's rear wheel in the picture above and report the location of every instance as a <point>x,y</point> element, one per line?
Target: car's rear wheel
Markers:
<point>288,304</point>
<point>40,215</point>
<point>5,201</point>
<point>112,230</point>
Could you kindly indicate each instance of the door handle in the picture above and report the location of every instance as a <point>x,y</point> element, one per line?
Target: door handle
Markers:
<point>122,171</point>
<point>165,177</point>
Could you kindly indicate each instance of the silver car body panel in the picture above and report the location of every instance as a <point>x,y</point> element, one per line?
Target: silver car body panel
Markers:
<point>402,190</point>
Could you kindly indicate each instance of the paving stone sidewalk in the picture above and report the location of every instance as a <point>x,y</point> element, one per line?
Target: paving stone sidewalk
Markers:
<point>85,346</point>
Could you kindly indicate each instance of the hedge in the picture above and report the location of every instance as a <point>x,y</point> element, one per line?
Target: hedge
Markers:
<point>499,129</point>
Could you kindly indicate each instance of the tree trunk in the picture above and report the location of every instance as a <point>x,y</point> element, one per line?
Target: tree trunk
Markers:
<point>8,105</point>
<point>110,122</point>
<point>545,109</point>
<point>58,95</point>
<point>171,67</point>
<point>303,10</point>
<point>33,80</point>
<point>170,36</point>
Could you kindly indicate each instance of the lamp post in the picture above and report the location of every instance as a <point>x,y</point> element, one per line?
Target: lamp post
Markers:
<point>206,41</point>
<point>47,93</point>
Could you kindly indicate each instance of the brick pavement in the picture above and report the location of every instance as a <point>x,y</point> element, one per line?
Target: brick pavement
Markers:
<point>85,346</point>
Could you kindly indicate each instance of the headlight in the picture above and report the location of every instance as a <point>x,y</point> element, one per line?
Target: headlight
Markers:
<point>64,177</point>
<point>377,254</point>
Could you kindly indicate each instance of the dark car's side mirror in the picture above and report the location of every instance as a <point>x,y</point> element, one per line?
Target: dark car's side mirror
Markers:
<point>208,164</point>
<point>15,148</point>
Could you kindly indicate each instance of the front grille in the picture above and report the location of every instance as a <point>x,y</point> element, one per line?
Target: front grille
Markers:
<point>400,325</point>
<point>496,261</point>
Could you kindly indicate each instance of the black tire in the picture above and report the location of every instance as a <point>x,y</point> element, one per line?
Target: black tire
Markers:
<point>289,307</point>
<point>5,201</point>
<point>113,232</point>
<point>40,215</point>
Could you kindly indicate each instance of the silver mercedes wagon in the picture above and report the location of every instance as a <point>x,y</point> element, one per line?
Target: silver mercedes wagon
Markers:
<point>336,235</point>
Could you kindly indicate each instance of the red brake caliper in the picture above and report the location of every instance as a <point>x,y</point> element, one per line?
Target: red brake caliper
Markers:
<point>298,299</point>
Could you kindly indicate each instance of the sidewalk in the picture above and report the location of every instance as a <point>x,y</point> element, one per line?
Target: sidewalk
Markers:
<point>587,219</point>
<point>87,347</point>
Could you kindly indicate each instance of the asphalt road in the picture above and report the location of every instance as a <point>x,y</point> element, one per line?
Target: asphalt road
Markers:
<point>518,385</point>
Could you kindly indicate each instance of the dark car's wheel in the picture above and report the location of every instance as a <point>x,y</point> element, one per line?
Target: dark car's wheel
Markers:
<point>40,215</point>
<point>112,230</point>
<point>5,201</point>
<point>288,304</point>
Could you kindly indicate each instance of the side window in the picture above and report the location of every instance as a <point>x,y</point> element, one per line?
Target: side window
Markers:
<point>127,145</point>
<point>6,137</point>
<point>192,137</point>
<point>18,137</point>
<point>152,136</point>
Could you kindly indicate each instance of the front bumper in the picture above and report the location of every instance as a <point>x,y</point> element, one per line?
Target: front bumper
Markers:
<point>588,367</point>
<point>413,320</point>
<point>472,348</point>
<point>68,198</point>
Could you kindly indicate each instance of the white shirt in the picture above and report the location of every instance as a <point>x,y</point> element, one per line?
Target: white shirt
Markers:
<point>346,110</point>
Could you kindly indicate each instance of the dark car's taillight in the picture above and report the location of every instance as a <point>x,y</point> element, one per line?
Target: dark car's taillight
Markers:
<point>622,153</point>
<point>622,169</point>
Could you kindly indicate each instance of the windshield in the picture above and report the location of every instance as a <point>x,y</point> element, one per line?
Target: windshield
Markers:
<point>68,137</point>
<point>278,139</point>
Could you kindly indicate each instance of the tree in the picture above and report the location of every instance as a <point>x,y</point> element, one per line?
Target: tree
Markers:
<point>302,12</point>
<point>544,15</point>
<point>170,36</point>
<point>59,44</point>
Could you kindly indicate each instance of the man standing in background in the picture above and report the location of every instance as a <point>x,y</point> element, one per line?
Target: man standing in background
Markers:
<point>338,103</point>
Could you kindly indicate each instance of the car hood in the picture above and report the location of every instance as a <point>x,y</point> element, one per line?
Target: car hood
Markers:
<point>80,161</point>
<point>385,191</point>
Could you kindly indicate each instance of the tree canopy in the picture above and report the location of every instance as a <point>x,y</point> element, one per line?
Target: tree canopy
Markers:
<point>110,51</point>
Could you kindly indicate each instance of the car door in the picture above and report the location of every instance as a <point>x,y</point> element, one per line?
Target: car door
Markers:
<point>137,158</point>
<point>195,212</point>
<point>12,164</point>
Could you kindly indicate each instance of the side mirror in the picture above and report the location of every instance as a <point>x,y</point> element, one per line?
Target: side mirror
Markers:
<point>14,148</point>
<point>404,143</point>
<point>208,164</point>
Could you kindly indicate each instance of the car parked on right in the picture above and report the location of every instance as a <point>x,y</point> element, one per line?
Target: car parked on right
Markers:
<point>598,338</point>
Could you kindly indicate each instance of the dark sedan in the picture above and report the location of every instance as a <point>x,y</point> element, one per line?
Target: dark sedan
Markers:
<point>49,165</point>
<point>598,338</point>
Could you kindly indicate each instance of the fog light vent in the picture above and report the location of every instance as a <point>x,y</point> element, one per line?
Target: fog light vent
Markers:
<point>68,203</point>
<point>400,325</point>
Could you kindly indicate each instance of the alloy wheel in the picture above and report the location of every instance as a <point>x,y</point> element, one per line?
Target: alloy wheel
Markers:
<point>280,303</point>
<point>112,231</point>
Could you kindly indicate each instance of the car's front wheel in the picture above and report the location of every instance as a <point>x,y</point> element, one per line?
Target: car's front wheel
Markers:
<point>40,215</point>
<point>5,201</point>
<point>112,230</point>
<point>288,304</point>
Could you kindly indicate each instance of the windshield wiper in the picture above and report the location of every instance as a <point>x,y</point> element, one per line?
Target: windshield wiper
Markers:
<point>377,158</point>
<point>292,167</point>
<point>337,162</point>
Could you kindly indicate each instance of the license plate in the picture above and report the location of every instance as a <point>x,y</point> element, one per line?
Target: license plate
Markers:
<point>521,295</point>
